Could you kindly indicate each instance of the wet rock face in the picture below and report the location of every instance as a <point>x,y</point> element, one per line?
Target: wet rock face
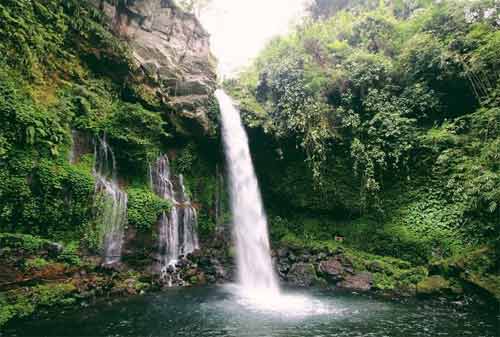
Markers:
<point>306,268</point>
<point>435,285</point>
<point>204,266</point>
<point>172,53</point>
<point>360,282</point>
<point>302,274</point>
<point>332,268</point>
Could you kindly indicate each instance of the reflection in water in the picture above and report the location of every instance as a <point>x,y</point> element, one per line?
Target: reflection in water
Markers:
<point>218,312</point>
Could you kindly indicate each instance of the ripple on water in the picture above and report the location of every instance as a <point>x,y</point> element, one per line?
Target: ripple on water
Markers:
<point>229,312</point>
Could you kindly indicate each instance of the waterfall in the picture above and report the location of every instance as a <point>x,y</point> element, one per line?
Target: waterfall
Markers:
<point>113,207</point>
<point>189,222</point>
<point>255,269</point>
<point>177,229</point>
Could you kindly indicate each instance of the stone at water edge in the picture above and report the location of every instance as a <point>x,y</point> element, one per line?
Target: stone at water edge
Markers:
<point>437,285</point>
<point>360,282</point>
<point>332,269</point>
<point>302,274</point>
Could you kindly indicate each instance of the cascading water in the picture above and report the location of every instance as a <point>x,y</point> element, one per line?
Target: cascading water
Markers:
<point>113,206</point>
<point>189,221</point>
<point>177,230</point>
<point>258,287</point>
<point>255,270</point>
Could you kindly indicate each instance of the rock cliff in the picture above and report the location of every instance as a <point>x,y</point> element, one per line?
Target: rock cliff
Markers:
<point>172,56</point>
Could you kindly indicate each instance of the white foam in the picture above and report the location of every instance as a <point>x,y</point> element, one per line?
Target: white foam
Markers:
<point>293,305</point>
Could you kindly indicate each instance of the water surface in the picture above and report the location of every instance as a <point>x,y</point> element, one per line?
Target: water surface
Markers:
<point>220,312</point>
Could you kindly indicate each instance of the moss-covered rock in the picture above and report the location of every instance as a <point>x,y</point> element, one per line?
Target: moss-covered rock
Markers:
<point>490,283</point>
<point>130,286</point>
<point>26,243</point>
<point>477,268</point>
<point>26,301</point>
<point>362,281</point>
<point>433,285</point>
<point>198,279</point>
<point>302,274</point>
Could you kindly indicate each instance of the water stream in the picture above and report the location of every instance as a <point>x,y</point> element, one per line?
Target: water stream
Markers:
<point>255,270</point>
<point>177,229</point>
<point>112,213</point>
<point>257,287</point>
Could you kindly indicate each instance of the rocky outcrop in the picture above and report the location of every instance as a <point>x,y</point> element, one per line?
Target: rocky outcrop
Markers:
<point>341,268</point>
<point>360,282</point>
<point>205,266</point>
<point>434,285</point>
<point>335,268</point>
<point>171,52</point>
<point>302,274</point>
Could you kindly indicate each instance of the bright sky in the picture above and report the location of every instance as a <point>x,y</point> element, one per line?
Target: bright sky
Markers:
<point>240,28</point>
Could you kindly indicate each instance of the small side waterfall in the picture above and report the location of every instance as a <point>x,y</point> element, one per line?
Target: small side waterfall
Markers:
<point>177,230</point>
<point>113,207</point>
<point>255,269</point>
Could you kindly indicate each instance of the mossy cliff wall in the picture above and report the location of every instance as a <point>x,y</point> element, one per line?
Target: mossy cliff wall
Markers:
<point>171,53</point>
<point>137,72</point>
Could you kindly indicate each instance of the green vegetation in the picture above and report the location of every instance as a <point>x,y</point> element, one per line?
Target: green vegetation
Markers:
<point>61,69</point>
<point>202,185</point>
<point>43,62</point>
<point>389,274</point>
<point>22,303</point>
<point>26,243</point>
<point>144,208</point>
<point>374,128</point>
<point>36,263</point>
<point>66,80</point>
<point>393,106</point>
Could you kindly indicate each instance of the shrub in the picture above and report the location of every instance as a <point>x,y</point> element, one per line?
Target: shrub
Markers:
<point>144,208</point>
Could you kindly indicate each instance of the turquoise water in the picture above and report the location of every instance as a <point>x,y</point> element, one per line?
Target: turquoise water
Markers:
<point>200,312</point>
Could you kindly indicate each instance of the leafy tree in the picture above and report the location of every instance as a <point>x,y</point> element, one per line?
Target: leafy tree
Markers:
<point>400,93</point>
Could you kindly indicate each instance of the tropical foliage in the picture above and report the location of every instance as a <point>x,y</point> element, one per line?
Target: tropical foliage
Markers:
<point>401,94</point>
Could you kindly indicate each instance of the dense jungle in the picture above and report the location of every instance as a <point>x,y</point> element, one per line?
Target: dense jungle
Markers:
<point>373,130</point>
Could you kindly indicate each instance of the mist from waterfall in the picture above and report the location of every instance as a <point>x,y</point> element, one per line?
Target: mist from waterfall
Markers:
<point>255,270</point>
<point>112,204</point>
<point>177,229</point>
<point>257,287</point>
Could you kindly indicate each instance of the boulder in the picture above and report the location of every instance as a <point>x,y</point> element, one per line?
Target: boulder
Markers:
<point>302,274</point>
<point>220,272</point>
<point>282,253</point>
<point>54,249</point>
<point>332,269</point>
<point>359,282</point>
<point>433,285</point>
